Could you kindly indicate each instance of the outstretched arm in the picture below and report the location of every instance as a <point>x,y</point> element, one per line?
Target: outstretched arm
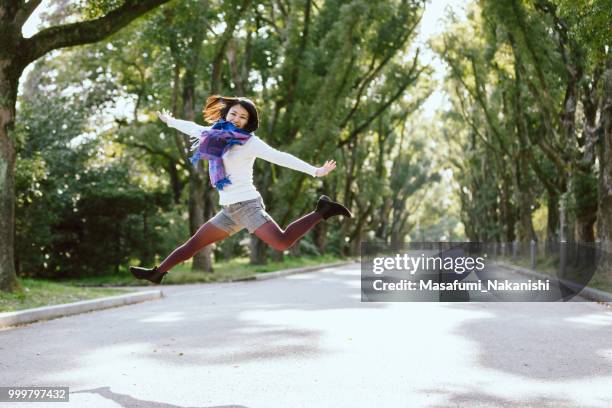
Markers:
<point>185,126</point>
<point>268,153</point>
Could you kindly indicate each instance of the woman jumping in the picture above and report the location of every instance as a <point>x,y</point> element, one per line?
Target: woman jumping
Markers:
<point>230,146</point>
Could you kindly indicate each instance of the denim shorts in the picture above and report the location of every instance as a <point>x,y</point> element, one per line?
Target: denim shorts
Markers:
<point>250,214</point>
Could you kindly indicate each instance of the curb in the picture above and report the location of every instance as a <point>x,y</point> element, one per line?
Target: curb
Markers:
<point>589,293</point>
<point>285,272</point>
<point>8,319</point>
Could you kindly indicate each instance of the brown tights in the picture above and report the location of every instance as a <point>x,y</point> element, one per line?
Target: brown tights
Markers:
<point>269,232</point>
<point>206,235</point>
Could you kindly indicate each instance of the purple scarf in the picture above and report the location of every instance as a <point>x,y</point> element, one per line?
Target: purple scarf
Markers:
<point>213,144</point>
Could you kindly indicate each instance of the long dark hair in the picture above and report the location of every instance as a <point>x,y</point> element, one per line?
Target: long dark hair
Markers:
<point>217,107</point>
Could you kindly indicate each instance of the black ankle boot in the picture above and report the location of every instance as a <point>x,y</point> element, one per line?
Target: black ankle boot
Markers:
<point>150,274</point>
<point>328,208</point>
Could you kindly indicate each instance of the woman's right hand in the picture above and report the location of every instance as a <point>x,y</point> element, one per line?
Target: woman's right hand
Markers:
<point>164,115</point>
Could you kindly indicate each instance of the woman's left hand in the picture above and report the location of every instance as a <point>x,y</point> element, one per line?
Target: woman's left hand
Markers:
<point>327,167</point>
<point>164,115</point>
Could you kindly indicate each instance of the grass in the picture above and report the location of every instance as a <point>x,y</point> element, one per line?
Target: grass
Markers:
<point>602,279</point>
<point>37,292</point>
<point>240,269</point>
<point>237,268</point>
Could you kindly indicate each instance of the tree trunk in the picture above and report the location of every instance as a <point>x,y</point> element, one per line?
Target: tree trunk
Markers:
<point>175,182</point>
<point>278,256</point>
<point>359,230</point>
<point>584,188</point>
<point>396,234</point>
<point>320,236</point>
<point>507,211</point>
<point>552,222</point>
<point>604,225</point>
<point>295,249</point>
<point>147,256</point>
<point>383,230</point>
<point>8,100</point>
<point>344,236</point>
<point>201,260</point>
<point>258,251</point>
<point>521,168</point>
<point>199,188</point>
<point>526,232</point>
<point>356,244</point>
<point>584,229</point>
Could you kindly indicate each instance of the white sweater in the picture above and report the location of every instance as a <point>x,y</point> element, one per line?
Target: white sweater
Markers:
<point>238,163</point>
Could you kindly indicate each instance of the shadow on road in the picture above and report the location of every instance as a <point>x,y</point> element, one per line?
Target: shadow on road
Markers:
<point>128,401</point>
<point>478,398</point>
<point>532,339</point>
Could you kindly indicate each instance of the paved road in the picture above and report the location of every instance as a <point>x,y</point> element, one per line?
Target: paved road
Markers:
<point>307,341</point>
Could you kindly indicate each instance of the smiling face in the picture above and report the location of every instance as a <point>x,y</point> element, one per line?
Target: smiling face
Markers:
<point>238,115</point>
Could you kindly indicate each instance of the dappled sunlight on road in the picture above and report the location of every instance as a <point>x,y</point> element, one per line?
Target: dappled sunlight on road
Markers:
<point>165,317</point>
<point>593,319</point>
